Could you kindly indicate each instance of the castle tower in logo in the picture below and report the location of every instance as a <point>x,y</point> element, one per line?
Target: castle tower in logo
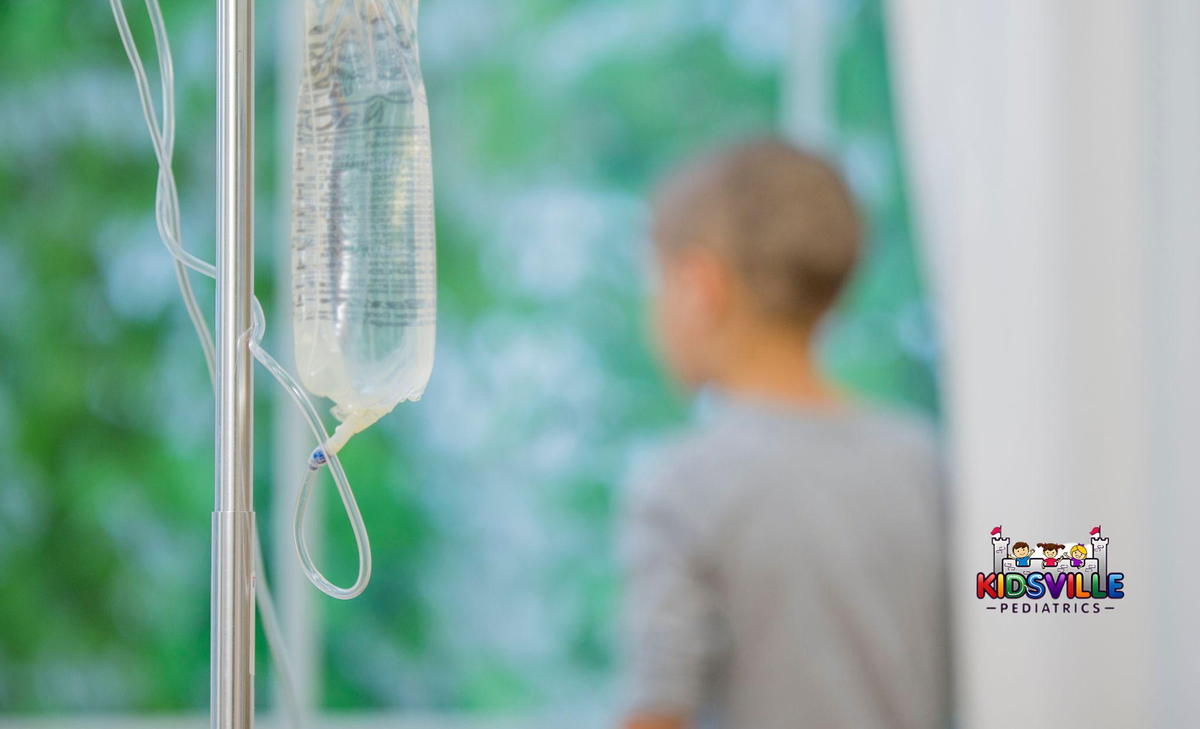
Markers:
<point>999,550</point>
<point>1100,553</point>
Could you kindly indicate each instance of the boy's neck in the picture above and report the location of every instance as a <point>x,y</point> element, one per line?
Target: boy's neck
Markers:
<point>779,365</point>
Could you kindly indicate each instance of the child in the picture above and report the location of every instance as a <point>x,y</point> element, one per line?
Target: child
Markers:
<point>1078,554</point>
<point>1050,553</point>
<point>1021,552</point>
<point>742,606</point>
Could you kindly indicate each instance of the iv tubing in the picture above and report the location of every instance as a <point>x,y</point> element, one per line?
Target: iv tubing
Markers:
<point>167,219</point>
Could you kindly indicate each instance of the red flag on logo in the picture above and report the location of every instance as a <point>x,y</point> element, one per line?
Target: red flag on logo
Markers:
<point>1095,530</point>
<point>996,530</point>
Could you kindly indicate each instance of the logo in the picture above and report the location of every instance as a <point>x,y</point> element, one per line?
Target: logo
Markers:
<point>1068,577</point>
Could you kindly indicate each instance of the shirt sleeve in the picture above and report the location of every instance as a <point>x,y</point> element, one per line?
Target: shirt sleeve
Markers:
<point>668,601</point>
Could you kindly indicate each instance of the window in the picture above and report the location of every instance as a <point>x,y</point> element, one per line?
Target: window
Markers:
<point>490,503</point>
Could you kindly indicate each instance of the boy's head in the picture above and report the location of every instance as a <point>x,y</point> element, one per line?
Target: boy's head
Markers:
<point>1021,549</point>
<point>756,239</point>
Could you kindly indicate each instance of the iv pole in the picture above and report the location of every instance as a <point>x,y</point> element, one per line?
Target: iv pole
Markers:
<point>232,668</point>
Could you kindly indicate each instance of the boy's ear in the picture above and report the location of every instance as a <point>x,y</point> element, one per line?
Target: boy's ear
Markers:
<point>713,280</point>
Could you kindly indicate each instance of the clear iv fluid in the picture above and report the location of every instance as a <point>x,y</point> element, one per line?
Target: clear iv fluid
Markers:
<point>363,253</point>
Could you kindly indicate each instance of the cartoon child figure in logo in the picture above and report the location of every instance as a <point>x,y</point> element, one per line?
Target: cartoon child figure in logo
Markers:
<point>1078,554</point>
<point>1050,552</point>
<point>1021,551</point>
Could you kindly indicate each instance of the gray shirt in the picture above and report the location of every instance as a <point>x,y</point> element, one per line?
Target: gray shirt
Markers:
<point>785,570</point>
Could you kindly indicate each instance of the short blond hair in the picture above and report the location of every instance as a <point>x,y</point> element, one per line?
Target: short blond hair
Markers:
<point>783,217</point>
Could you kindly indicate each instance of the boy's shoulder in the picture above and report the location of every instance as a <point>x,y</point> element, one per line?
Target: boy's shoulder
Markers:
<point>904,430</point>
<point>678,465</point>
<point>695,463</point>
<point>689,483</point>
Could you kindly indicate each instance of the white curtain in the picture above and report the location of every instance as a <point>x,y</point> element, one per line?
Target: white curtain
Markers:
<point>1053,154</point>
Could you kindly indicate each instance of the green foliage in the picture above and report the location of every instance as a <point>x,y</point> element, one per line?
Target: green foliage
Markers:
<point>882,343</point>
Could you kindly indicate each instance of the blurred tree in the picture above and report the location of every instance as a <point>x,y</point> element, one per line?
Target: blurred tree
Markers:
<point>103,401</point>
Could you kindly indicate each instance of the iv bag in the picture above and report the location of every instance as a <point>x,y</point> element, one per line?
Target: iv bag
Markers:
<point>363,255</point>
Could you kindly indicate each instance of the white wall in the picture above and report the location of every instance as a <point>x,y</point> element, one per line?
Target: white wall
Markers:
<point>1054,159</point>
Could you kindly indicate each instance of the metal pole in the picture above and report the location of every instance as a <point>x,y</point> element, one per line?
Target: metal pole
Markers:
<point>233,519</point>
